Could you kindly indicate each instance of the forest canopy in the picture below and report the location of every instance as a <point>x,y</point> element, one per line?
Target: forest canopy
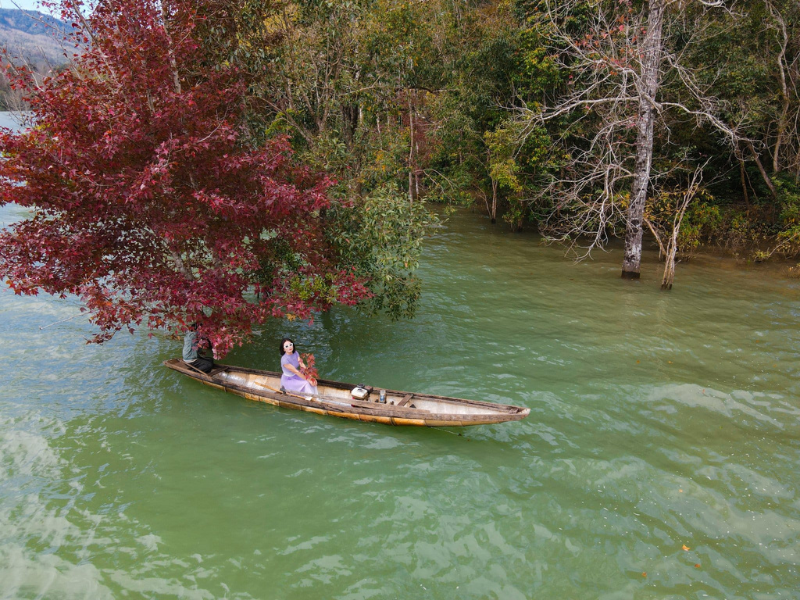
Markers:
<point>584,120</point>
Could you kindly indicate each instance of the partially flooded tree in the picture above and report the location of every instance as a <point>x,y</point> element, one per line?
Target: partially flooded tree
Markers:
<point>626,84</point>
<point>665,217</point>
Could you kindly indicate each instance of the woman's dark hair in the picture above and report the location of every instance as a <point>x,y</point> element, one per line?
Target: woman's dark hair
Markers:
<point>287,340</point>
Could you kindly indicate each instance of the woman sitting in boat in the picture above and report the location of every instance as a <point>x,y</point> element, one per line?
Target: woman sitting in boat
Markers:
<point>292,379</point>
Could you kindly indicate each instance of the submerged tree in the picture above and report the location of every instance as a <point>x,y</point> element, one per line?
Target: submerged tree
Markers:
<point>150,199</point>
<point>626,86</point>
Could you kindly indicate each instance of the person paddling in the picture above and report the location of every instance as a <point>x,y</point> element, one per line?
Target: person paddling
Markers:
<point>292,379</point>
<point>191,346</point>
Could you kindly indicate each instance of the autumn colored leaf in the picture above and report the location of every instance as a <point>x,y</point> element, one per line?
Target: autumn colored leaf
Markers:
<point>309,371</point>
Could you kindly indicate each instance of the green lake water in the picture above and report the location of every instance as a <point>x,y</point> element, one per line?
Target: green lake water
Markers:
<point>658,421</point>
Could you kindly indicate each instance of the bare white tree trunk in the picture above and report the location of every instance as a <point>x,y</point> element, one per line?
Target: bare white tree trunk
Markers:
<point>680,212</point>
<point>651,62</point>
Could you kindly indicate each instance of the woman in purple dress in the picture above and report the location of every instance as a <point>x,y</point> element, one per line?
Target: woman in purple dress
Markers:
<point>292,379</point>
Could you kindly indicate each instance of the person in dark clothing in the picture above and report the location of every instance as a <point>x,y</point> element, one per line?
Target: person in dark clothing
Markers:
<point>193,345</point>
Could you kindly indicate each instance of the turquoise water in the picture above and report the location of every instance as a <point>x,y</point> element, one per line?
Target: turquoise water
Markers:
<point>658,421</point>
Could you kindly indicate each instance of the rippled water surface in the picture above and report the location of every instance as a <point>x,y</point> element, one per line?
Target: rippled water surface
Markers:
<point>660,459</point>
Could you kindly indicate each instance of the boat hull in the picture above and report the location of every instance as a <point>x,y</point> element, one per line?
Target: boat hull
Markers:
<point>401,409</point>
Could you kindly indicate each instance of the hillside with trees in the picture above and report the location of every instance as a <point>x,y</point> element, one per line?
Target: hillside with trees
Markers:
<point>34,40</point>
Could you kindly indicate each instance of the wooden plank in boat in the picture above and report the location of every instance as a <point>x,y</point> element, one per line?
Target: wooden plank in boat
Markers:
<point>406,399</point>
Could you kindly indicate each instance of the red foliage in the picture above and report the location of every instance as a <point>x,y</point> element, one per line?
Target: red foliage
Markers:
<point>309,371</point>
<point>149,200</point>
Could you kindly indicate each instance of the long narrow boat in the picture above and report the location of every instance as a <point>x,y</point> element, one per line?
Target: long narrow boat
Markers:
<point>335,399</point>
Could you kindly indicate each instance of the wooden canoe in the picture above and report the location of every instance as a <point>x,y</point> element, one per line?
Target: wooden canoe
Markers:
<point>401,408</point>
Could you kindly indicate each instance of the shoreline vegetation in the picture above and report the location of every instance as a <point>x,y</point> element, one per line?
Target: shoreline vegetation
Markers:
<point>745,256</point>
<point>343,123</point>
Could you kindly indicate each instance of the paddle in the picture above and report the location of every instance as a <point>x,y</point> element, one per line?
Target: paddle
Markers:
<point>205,375</point>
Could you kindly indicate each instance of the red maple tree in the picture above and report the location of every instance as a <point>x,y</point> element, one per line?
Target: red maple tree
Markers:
<point>149,199</point>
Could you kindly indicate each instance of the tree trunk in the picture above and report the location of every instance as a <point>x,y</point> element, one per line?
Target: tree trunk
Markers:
<point>410,150</point>
<point>350,120</point>
<point>797,171</point>
<point>672,244</point>
<point>743,177</point>
<point>176,80</point>
<point>782,124</point>
<point>493,213</point>
<point>785,99</point>
<point>763,171</point>
<point>669,269</point>
<point>662,252</point>
<point>651,61</point>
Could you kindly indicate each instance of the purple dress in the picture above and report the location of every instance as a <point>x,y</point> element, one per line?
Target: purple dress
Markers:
<point>292,382</point>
